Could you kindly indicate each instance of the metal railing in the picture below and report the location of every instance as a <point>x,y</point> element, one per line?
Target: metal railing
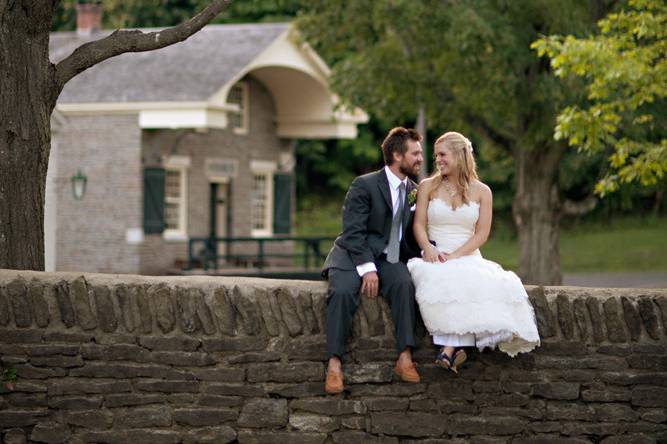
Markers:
<point>305,253</point>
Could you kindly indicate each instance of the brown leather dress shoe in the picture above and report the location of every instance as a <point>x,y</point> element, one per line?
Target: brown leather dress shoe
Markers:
<point>334,383</point>
<point>407,372</point>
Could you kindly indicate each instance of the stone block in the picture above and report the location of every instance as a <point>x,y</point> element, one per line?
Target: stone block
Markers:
<point>106,316</point>
<point>145,312</point>
<point>646,396</point>
<point>597,320</point>
<point>115,352</point>
<point>370,372</point>
<point>235,374</point>
<point>219,401</point>
<point>253,357</point>
<point>133,399</point>
<point>309,422</point>
<point>259,413</point>
<point>649,362</point>
<point>84,386</point>
<point>127,370</point>
<point>242,344</point>
<point>186,310</point>
<point>565,316</point>
<point>248,313</point>
<point>310,348</point>
<point>396,389</point>
<point>271,318</point>
<point>386,404</point>
<point>40,308</point>
<point>168,386</point>
<point>14,436</point>
<point>649,317</point>
<point>546,324</point>
<point>606,394</point>
<point>326,406</point>
<point>579,308</point>
<point>143,417</point>
<point>78,291</point>
<point>163,300</point>
<point>223,310</point>
<point>630,438</point>
<point>99,419</point>
<point>354,422</point>
<point>50,350</point>
<point>21,418</point>
<point>75,402</point>
<point>204,416</point>
<point>129,311</point>
<point>131,436</point>
<point>58,336</point>
<point>423,405</point>
<point>632,319</point>
<point>181,359</point>
<point>290,318</point>
<point>65,306</point>
<point>244,390</point>
<point>612,317</point>
<point>21,400</point>
<point>557,390</point>
<point>298,390</point>
<point>4,307</point>
<point>272,437</point>
<point>416,425</point>
<point>358,437</point>
<point>654,415</point>
<point>51,433</point>
<point>292,372</point>
<point>484,425</point>
<point>451,390</point>
<point>305,304</point>
<point>26,371</point>
<point>17,292</point>
<point>210,435</point>
<point>661,302</point>
<point>173,343</point>
<point>544,438</point>
<point>57,361</point>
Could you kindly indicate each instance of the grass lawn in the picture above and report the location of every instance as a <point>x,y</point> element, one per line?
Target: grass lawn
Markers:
<point>621,245</point>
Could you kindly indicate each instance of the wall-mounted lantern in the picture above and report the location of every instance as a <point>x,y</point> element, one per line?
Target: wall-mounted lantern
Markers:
<point>79,181</point>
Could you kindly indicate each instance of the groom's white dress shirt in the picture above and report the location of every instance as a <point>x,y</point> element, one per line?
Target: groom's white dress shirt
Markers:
<point>394,183</point>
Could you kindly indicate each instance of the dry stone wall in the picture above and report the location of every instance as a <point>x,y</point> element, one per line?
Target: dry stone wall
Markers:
<point>134,359</point>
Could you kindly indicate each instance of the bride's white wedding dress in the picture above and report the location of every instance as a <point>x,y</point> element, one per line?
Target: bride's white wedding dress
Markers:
<point>470,300</point>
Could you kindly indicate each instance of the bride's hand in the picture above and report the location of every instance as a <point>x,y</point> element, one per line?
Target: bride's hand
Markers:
<point>432,254</point>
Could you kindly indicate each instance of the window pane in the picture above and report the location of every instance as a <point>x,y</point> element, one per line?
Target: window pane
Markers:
<point>173,198</point>
<point>259,201</point>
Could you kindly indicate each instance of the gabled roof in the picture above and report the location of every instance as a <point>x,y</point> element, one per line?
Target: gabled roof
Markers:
<point>192,70</point>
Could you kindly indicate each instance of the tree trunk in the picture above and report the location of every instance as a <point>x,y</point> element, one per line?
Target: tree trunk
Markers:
<point>537,212</point>
<point>26,103</point>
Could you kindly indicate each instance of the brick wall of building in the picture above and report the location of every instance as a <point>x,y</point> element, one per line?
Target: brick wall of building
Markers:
<point>91,233</point>
<point>125,359</point>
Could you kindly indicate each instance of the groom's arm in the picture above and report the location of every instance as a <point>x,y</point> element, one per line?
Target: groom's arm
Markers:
<point>356,211</point>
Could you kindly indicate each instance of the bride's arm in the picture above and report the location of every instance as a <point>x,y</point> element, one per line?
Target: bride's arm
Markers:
<point>483,226</point>
<point>430,253</point>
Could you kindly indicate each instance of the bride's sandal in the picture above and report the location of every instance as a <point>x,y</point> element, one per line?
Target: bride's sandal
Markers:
<point>451,362</point>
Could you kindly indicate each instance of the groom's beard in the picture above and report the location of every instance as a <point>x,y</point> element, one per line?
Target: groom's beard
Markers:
<point>410,170</point>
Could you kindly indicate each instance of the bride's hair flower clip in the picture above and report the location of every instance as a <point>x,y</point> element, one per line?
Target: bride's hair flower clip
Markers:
<point>469,145</point>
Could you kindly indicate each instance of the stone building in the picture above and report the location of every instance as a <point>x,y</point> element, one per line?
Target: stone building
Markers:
<point>197,139</point>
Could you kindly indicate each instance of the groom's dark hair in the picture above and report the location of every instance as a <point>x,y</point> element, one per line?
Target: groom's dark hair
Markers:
<point>396,142</point>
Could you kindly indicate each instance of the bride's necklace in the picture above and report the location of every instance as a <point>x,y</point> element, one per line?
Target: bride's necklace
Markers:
<point>449,188</point>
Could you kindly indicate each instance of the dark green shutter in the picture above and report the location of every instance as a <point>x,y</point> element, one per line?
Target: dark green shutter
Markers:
<point>282,203</point>
<point>153,200</point>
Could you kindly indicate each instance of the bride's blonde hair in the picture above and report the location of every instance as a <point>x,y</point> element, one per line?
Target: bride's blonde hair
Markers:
<point>466,171</point>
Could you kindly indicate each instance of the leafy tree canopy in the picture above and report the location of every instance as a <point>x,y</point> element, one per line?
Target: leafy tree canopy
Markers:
<point>625,67</point>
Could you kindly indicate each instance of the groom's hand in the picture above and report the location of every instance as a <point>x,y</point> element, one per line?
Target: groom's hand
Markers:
<point>369,284</point>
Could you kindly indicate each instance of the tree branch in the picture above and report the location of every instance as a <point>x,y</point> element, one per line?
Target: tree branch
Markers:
<point>120,42</point>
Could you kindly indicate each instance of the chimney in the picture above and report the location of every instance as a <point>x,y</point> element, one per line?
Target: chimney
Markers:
<point>88,18</point>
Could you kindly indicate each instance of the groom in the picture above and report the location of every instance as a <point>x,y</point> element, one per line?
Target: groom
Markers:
<point>367,256</point>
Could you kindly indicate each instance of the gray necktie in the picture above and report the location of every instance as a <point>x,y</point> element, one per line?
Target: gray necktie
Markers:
<point>394,246</point>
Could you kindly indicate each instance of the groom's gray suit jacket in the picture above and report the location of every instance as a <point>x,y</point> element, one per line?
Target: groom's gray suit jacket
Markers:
<point>367,216</point>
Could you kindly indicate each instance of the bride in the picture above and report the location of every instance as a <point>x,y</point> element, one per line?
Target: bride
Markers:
<point>464,299</point>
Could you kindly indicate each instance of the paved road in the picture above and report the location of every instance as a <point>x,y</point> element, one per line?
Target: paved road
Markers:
<point>617,280</point>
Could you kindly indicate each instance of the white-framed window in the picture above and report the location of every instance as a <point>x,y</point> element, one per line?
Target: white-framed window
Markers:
<point>239,115</point>
<point>176,197</point>
<point>261,210</point>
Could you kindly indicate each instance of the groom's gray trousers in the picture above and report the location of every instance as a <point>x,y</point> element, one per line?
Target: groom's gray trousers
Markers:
<point>343,299</point>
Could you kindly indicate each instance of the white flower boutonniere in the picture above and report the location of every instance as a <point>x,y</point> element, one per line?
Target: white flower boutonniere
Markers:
<point>412,197</point>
